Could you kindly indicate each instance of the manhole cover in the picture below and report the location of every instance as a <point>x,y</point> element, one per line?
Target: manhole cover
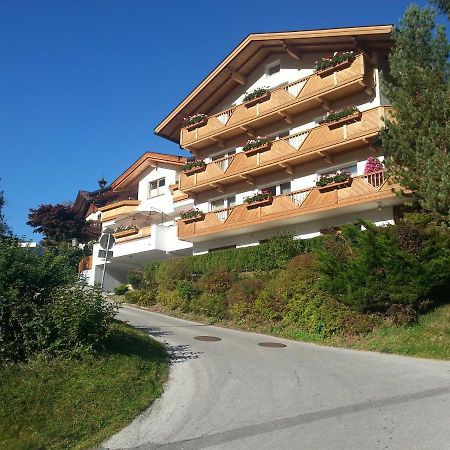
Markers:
<point>271,344</point>
<point>207,338</point>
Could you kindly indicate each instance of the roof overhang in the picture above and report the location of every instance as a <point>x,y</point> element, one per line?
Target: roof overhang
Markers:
<point>129,178</point>
<point>254,49</point>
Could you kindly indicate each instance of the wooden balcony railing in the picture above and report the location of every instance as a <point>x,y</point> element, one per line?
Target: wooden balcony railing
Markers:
<point>85,264</point>
<point>286,208</point>
<point>284,102</point>
<point>319,142</point>
<point>111,211</point>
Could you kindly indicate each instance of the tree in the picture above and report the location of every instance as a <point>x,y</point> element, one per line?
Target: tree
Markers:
<point>443,6</point>
<point>416,140</point>
<point>4,228</point>
<point>58,223</point>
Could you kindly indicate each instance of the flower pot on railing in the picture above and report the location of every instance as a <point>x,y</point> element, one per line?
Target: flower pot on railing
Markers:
<point>197,169</point>
<point>336,185</point>
<point>261,98</point>
<point>200,123</point>
<point>125,233</point>
<point>354,117</point>
<point>329,70</point>
<point>257,204</point>
<point>261,148</point>
<point>192,219</point>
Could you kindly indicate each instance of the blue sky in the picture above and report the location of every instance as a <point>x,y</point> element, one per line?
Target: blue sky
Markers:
<point>83,83</point>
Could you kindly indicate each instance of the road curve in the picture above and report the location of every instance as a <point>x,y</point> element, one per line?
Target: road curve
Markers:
<point>236,394</point>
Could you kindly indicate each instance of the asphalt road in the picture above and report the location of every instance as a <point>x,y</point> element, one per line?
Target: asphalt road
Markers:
<point>235,394</point>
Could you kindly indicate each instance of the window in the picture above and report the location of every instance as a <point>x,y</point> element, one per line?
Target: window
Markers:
<point>285,188</point>
<point>155,187</point>
<point>273,68</point>
<point>352,169</point>
<point>279,189</point>
<point>222,203</point>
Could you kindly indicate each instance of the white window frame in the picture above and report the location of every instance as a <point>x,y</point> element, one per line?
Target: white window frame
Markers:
<point>226,202</point>
<point>160,190</point>
<point>277,186</point>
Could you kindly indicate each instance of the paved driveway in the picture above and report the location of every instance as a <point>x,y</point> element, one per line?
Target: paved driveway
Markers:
<point>235,394</point>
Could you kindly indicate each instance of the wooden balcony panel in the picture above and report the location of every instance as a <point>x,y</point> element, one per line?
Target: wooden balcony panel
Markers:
<point>111,211</point>
<point>292,98</point>
<point>288,207</point>
<point>291,150</point>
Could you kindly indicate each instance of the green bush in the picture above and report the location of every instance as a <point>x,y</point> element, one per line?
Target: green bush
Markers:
<point>213,305</point>
<point>187,290</point>
<point>218,281</point>
<point>168,273</point>
<point>245,290</point>
<point>141,297</point>
<point>78,320</point>
<point>371,270</point>
<point>136,278</point>
<point>172,301</point>
<point>121,289</point>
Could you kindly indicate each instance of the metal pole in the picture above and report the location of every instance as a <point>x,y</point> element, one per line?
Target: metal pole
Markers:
<point>104,262</point>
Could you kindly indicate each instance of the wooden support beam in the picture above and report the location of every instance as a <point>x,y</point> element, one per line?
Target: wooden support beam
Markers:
<point>219,142</point>
<point>324,103</point>
<point>287,117</point>
<point>220,188</point>
<point>287,167</point>
<point>291,51</point>
<point>249,179</point>
<point>250,131</point>
<point>236,76</point>
<point>328,158</point>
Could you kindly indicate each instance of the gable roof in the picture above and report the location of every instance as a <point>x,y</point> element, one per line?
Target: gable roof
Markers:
<point>148,159</point>
<point>254,49</point>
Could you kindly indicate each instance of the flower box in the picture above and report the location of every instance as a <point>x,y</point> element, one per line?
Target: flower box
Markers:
<point>339,66</point>
<point>265,202</point>
<point>260,149</point>
<point>260,99</point>
<point>125,233</point>
<point>193,219</point>
<point>347,119</point>
<point>337,185</point>
<point>200,123</point>
<point>194,170</point>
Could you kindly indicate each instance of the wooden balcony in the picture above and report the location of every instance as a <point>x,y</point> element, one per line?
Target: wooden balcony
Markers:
<point>85,264</point>
<point>141,233</point>
<point>295,207</point>
<point>284,102</point>
<point>319,142</point>
<point>111,211</point>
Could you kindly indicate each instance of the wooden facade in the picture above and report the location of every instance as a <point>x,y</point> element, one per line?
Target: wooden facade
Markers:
<point>288,208</point>
<point>111,211</point>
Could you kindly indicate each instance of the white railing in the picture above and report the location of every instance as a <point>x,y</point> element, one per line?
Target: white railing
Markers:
<point>296,140</point>
<point>298,197</point>
<point>224,116</point>
<point>224,163</point>
<point>296,87</point>
<point>376,179</point>
<point>222,214</point>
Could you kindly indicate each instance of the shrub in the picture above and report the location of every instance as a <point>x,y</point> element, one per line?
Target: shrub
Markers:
<point>241,312</point>
<point>136,278</point>
<point>141,297</point>
<point>210,304</point>
<point>168,273</point>
<point>217,281</point>
<point>187,290</point>
<point>121,289</point>
<point>79,320</point>
<point>172,301</point>
<point>373,269</point>
<point>245,290</point>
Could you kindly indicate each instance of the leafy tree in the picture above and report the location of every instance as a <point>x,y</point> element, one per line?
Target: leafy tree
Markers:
<point>416,141</point>
<point>443,6</point>
<point>4,228</point>
<point>58,223</point>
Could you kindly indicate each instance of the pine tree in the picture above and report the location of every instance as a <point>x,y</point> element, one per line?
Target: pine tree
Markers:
<point>443,6</point>
<point>4,228</point>
<point>416,141</point>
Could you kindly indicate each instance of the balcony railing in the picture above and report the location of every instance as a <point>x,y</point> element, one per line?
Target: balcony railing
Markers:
<point>319,142</point>
<point>111,211</point>
<point>288,208</point>
<point>141,233</point>
<point>284,102</point>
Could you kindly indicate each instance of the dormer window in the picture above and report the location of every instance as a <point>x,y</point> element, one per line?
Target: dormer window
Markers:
<point>156,187</point>
<point>273,68</point>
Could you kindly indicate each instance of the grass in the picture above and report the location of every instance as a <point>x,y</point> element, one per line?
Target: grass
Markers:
<point>62,404</point>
